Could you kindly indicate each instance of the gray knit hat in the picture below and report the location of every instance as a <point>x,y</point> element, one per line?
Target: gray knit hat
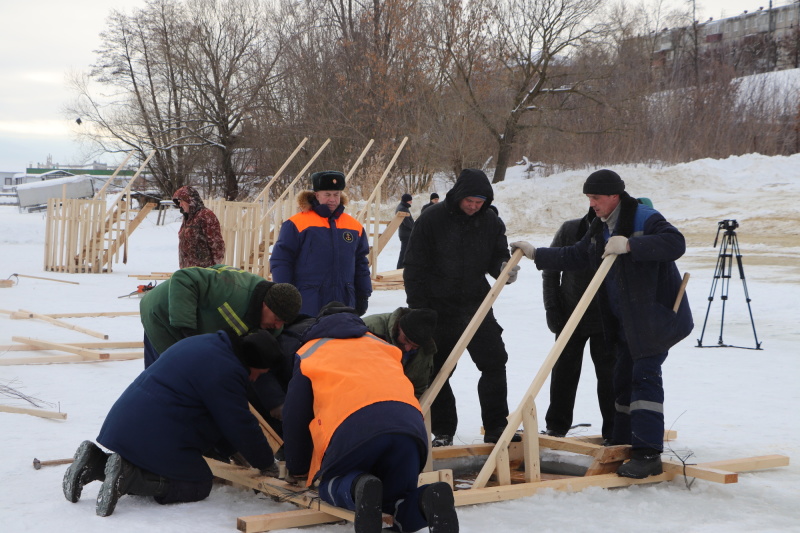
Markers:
<point>606,182</point>
<point>284,300</point>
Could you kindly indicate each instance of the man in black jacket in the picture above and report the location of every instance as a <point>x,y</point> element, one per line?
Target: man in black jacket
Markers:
<point>561,292</point>
<point>454,244</point>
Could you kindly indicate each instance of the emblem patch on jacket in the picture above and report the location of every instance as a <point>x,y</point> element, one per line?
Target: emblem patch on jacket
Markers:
<point>348,237</point>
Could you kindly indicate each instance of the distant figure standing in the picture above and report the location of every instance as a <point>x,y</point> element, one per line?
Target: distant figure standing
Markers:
<point>405,227</point>
<point>322,250</point>
<point>561,292</point>
<point>200,241</point>
<point>434,200</point>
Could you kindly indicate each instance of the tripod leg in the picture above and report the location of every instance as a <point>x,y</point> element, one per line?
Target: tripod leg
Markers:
<point>744,285</point>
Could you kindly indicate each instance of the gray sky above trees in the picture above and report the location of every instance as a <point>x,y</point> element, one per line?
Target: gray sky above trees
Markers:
<point>44,40</point>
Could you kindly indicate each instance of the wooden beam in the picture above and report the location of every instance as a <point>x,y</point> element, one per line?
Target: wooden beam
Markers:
<point>46,279</point>
<point>277,174</point>
<point>93,314</point>
<point>87,355</point>
<point>748,464</point>
<point>700,472</point>
<point>55,359</point>
<point>515,418</point>
<point>90,345</point>
<point>61,324</point>
<point>33,412</point>
<point>284,520</point>
<point>275,441</point>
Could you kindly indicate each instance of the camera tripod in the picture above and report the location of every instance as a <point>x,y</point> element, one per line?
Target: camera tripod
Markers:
<point>728,248</point>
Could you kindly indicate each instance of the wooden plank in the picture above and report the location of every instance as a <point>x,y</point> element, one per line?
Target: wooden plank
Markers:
<point>45,345</point>
<point>274,440</point>
<point>748,464</point>
<point>265,190</point>
<point>284,520</point>
<point>90,345</point>
<point>700,472</point>
<point>94,314</point>
<point>530,442</point>
<point>65,325</point>
<point>56,359</point>
<point>251,478</point>
<point>361,216</point>
<point>573,484</point>
<point>33,412</point>
<point>515,418</point>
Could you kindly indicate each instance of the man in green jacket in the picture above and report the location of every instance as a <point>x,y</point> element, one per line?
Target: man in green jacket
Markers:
<point>199,300</point>
<point>411,330</point>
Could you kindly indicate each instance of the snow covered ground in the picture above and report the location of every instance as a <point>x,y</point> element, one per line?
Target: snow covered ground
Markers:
<point>723,402</point>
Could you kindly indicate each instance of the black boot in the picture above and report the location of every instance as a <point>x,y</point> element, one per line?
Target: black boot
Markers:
<point>644,462</point>
<point>438,508</point>
<point>88,466</point>
<point>491,436</point>
<point>123,478</point>
<point>368,495</point>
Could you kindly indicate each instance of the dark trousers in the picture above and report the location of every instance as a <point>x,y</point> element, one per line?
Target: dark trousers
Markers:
<point>185,491</point>
<point>402,257</point>
<point>488,352</point>
<point>566,375</point>
<point>150,353</point>
<point>639,390</point>
<point>395,460</point>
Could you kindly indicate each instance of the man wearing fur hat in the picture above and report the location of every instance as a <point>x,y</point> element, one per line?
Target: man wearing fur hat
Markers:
<point>411,330</point>
<point>203,300</point>
<point>454,244</point>
<point>189,402</point>
<point>636,307</point>
<point>322,250</point>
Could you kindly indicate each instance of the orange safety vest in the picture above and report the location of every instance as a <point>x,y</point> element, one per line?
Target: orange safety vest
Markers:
<point>310,219</point>
<point>347,375</point>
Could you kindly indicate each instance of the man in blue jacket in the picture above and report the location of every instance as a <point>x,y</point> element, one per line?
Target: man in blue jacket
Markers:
<point>640,292</point>
<point>322,250</point>
<point>190,401</point>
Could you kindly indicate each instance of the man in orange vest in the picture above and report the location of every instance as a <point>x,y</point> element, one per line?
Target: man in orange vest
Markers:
<point>352,423</point>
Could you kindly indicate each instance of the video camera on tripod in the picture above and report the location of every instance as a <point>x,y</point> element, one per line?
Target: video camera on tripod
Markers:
<point>727,225</point>
<point>728,249</point>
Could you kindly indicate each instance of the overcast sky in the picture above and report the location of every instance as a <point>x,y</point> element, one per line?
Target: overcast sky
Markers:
<point>42,41</point>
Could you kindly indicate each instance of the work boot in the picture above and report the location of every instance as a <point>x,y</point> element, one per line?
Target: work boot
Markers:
<point>368,495</point>
<point>554,433</point>
<point>438,508</point>
<point>442,440</point>
<point>644,462</point>
<point>89,465</point>
<point>123,477</point>
<point>493,435</point>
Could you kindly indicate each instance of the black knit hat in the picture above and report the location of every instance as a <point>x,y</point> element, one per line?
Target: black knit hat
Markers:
<point>284,300</point>
<point>605,182</point>
<point>434,196</point>
<point>406,198</point>
<point>260,350</point>
<point>327,180</point>
<point>418,325</point>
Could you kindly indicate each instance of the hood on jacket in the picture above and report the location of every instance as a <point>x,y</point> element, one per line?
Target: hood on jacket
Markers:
<point>471,182</point>
<point>189,195</point>
<point>341,323</point>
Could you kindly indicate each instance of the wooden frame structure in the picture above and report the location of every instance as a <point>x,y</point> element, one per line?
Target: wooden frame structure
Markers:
<point>510,470</point>
<point>86,236</point>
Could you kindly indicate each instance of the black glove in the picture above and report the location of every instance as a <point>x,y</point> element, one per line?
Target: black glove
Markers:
<point>361,305</point>
<point>188,332</point>
<point>555,320</point>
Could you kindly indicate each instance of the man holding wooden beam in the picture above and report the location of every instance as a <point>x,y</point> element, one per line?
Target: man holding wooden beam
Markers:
<point>637,307</point>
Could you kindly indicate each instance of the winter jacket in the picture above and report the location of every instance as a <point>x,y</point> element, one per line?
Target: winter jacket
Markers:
<point>642,285</point>
<point>348,387</point>
<point>426,206</point>
<point>404,231</point>
<point>183,405</point>
<point>200,241</point>
<point>450,253</point>
<point>417,364</point>
<point>324,255</point>
<point>202,300</point>
<point>563,290</point>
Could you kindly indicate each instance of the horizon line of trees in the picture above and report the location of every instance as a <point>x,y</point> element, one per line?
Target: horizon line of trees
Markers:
<point>226,89</point>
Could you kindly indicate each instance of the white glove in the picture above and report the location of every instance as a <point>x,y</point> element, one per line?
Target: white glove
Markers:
<point>527,248</point>
<point>512,276</point>
<point>616,245</point>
